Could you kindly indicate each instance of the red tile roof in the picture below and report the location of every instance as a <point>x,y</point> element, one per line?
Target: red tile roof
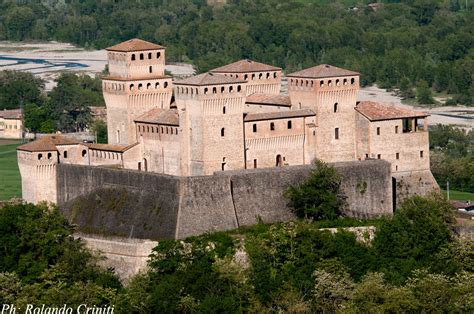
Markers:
<point>160,116</point>
<point>10,114</point>
<point>134,45</point>
<point>110,147</point>
<point>208,79</point>
<point>279,115</point>
<point>47,143</point>
<point>322,71</point>
<point>245,65</point>
<point>269,100</point>
<point>376,111</point>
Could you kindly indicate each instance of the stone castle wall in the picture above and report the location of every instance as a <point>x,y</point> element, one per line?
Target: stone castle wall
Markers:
<point>155,206</point>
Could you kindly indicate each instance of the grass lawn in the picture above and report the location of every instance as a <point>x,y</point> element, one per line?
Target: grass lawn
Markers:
<point>10,182</point>
<point>460,196</point>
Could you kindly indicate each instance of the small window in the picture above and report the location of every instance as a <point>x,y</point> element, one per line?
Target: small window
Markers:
<point>214,90</point>
<point>65,154</point>
<point>254,127</point>
<point>223,110</point>
<point>150,69</point>
<point>40,156</point>
<point>421,154</point>
<point>378,130</point>
<point>397,156</point>
<point>396,129</point>
<point>205,90</point>
<point>222,89</point>
<point>166,84</point>
<point>84,153</point>
<point>239,88</point>
<point>133,57</point>
<point>289,124</point>
<point>148,86</point>
<point>231,89</point>
<point>366,156</point>
<point>142,56</point>
<point>255,163</point>
<point>321,83</point>
<point>335,107</point>
<point>274,74</point>
<point>379,156</point>
<point>272,126</point>
<point>222,132</point>
<point>149,55</point>
<point>352,81</point>
<point>158,55</point>
<point>336,133</point>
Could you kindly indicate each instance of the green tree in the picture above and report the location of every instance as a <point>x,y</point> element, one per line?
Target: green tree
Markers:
<point>318,197</point>
<point>18,89</point>
<point>99,128</point>
<point>423,93</point>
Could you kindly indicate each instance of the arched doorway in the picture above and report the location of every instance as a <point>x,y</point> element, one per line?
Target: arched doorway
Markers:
<point>278,161</point>
<point>145,164</point>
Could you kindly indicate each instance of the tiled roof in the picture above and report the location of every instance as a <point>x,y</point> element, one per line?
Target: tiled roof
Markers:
<point>265,99</point>
<point>245,65</point>
<point>135,45</point>
<point>47,143</point>
<point>279,115</point>
<point>10,114</point>
<point>208,79</point>
<point>375,111</point>
<point>321,71</point>
<point>110,147</point>
<point>160,116</point>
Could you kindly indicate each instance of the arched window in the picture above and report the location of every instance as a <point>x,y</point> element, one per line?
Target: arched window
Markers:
<point>205,90</point>
<point>352,81</point>
<point>272,126</point>
<point>166,84</point>
<point>344,82</point>
<point>330,83</point>
<point>338,83</point>
<point>274,74</point>
<point>40,156</point>
<point>223,110</point>
<point>231,89</point>
<point>167,130</point>
<point>289,124</point>
<point>149,55</point>
<point>148,86</point>
<point>158,55</point>
<point>278,161</point>
<point>140,86</point>
<point>150,69</point>
<point>141,56</point>
<point>253,76</point>
<point>336,107</point>
<point>222,132</point>
<point>268,75</point>
<point>321,83</point>
<point>132,86</point>
<point>214,90</point>
<point>133,57</point>
<point>65,154</point>
<point>84,153</point>
<point>260,76</point>
<point>239,88</point>
<point>246,77</point>
<point>157,85</point>
<point>222,89</point>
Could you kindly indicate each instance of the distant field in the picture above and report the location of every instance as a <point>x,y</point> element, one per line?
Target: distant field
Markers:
<point>10,182</point>
<point>461,196</point>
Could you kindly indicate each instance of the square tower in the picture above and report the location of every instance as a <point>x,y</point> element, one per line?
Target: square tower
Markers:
<point>211,109</point>
<point>331,93</point>
<point>136,84</point>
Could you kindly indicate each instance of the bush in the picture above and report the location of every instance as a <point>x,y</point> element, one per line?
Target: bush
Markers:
<point>320,196</point>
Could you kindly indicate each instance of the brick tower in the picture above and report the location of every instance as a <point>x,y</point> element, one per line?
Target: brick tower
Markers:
<point>331,93</point>
<point>136,84</point>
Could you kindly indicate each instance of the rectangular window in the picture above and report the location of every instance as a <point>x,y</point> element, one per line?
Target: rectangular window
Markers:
<point>378,130</point>
<point>366,156</point>
<point>421,154</point>
<point>379,156</point>
<point>255,163</point>
<point>336,133</point>
<point>396,129</point>
<point>397,156</point>
<point>254,127</point>
<point>272,126</point>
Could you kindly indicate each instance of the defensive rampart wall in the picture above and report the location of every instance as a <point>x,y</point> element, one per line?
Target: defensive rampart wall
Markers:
<point>147,205</point>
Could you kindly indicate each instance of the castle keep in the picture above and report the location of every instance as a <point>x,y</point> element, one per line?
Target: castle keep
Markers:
<point>231,118</point>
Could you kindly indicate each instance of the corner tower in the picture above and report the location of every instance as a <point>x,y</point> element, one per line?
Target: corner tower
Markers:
<point>211,109</point>
<point>136,84</point>
<point>331,93</point>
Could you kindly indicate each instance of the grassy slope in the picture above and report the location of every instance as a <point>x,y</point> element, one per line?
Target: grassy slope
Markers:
<point>10,182</point>
<point>461,196</point>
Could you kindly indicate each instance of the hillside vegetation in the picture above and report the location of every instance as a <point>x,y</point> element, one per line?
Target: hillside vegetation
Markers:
<point>403,44</point>
<point>414,264</point>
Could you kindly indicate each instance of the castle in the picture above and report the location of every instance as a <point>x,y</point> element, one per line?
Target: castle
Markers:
<point>230,118</point>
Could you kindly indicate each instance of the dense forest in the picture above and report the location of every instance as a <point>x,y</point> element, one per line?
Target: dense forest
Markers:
<point>414,264</point>
<point>401,44</point>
